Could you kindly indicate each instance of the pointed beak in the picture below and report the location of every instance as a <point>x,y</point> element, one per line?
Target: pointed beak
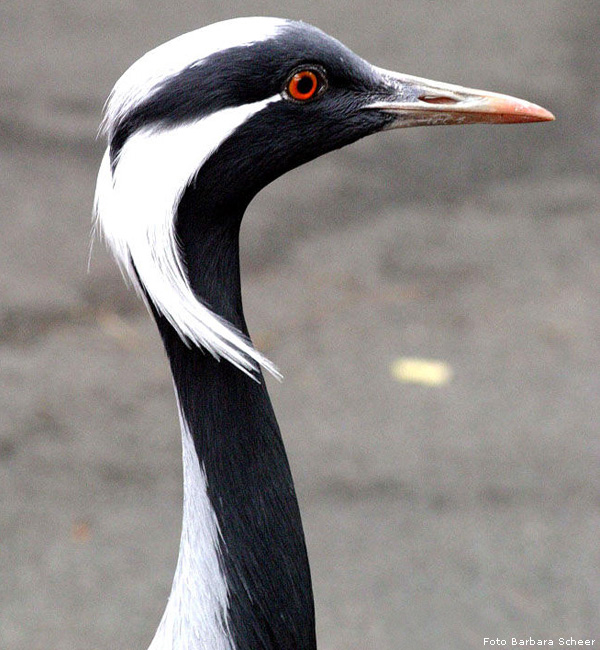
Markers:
<point>421,102</point>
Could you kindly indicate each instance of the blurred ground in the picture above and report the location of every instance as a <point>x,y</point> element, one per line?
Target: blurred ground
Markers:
<point>435,516</point>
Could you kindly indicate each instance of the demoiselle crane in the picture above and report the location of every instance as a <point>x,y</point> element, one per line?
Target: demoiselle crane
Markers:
<point>195,129</point>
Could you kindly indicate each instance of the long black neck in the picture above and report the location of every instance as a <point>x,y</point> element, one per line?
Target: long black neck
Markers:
<point>238,442</point>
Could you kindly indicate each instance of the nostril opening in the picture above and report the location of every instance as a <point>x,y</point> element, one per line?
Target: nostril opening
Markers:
<point>437,99</point>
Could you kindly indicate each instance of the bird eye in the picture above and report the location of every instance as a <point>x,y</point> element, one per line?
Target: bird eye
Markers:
<point>306,84</point>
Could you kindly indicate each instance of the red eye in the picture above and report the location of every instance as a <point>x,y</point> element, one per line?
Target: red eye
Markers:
<point>305,84</point>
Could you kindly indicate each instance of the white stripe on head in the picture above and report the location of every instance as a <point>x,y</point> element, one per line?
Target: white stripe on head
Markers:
<point>196,615</point>
<point>136,210</point>
<point>165,61</point>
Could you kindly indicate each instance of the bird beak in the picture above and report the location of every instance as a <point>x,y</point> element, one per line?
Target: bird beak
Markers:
<point>422,102</point>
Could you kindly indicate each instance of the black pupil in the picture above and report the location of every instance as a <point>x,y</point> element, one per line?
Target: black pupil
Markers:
<point>305,85</point>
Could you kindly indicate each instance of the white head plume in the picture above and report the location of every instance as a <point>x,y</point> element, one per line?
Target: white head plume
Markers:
<point>136,204</point>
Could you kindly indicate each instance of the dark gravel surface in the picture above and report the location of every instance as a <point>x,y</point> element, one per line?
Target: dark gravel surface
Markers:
<point>435,515</point>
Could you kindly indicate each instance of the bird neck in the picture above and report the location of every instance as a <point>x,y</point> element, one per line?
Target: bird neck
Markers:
<point>242,571</point>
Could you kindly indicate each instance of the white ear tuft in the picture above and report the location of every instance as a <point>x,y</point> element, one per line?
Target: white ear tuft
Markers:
<point>135,209</point>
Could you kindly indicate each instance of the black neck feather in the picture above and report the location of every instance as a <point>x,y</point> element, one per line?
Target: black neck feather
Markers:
<point>238,442</point>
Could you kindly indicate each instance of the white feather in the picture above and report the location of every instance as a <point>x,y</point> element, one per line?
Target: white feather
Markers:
<point>136,208</point>
<point>196,614</point>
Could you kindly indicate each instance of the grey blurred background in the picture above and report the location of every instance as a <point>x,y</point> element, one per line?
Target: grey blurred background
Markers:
<point>435,516</point>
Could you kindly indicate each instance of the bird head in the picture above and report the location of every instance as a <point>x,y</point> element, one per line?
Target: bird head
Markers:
<point>311,94</point>
<point>231,107</point>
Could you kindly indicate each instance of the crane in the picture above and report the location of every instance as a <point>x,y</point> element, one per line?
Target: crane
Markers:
<point>195,128</point>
